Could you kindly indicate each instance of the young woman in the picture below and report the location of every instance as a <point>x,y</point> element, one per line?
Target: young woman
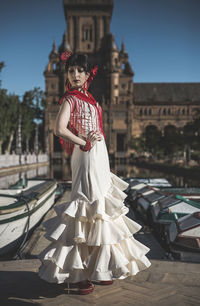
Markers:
<point>92,239</point>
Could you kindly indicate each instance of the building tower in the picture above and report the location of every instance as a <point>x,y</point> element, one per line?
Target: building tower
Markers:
<point>88,31</point>
<point>88,21</point>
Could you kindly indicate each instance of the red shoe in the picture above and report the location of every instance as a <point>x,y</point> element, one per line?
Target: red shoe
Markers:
<point>85,288</point>
<point>107,282</point>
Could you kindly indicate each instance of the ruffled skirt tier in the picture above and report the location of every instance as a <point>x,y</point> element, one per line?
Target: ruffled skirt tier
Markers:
<point>91,236</point>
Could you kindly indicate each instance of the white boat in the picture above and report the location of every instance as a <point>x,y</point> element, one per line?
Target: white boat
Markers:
<point>175,218</point>
<point>191,193</point>
<point>22,208</point>
<point>154,182</point>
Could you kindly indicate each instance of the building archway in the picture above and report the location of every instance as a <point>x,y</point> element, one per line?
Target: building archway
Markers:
<point>121,145</point>
<point>170,130</point>
<point>152,138</point>
<point>151,129</point>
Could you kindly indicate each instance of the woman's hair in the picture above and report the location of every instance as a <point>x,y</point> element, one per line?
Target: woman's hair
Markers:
<point>78,60</point>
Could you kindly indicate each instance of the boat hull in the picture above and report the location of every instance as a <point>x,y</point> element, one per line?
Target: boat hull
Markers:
<point>12,229</point>
<point>174,218</point>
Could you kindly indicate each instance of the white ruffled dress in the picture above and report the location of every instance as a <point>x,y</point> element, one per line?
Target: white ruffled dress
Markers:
<point>91,236</point>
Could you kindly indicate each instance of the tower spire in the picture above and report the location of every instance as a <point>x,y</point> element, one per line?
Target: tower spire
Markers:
<point>54,47</point>
<point>65,46</point>
<point>123,46</point>
<point>123,50</point>
<point>54,53</point>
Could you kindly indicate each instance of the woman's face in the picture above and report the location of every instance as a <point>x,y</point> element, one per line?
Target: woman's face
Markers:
<point>77,76</point>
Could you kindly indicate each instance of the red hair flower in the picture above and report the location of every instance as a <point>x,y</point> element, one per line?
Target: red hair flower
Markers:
<point>65,55</point>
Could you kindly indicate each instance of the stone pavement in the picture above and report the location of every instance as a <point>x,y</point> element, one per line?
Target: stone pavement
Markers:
<point>164,283</point>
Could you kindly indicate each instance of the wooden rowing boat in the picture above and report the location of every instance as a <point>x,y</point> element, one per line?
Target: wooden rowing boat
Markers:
<point>21,209</point>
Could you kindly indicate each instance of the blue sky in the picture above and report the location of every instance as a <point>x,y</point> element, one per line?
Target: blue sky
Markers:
<point>162,38</point>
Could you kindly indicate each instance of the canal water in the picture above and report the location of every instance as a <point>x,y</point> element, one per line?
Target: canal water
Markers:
<point>60,172</point>
<point>63,172</point>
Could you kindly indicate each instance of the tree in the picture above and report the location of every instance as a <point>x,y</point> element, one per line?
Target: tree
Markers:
<point>1,67</point>
<point>138,144</point>
<point>12,119</point>
<point>152,139</point>
<point>32,109</point>
<point>28,115</point>
<point>9,106</point>
<point>192,132</point>
<point>3,126</point>
<point>39,103</point>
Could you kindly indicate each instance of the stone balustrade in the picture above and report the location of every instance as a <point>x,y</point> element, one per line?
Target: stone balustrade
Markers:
<point>9,160</point>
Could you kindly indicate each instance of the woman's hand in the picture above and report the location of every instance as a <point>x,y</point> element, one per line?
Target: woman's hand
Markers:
<point>93,137</point>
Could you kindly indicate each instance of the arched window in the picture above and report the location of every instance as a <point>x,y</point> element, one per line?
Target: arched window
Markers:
<point>169,111</point>
<point>145,111</point>
<point>141,112</point>
<point>87,33</point>
<point>183,111</point>
<point>164,111</point>
<point>150,112</point>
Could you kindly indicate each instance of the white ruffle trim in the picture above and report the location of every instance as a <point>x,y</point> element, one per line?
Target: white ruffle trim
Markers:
<point>93,240</point>
<point>106,262</point>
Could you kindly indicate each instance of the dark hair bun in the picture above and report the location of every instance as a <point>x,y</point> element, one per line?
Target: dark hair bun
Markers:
<point>78,59</point>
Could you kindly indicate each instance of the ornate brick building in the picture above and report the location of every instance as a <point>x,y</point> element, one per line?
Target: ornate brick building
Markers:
<point>128,108</point>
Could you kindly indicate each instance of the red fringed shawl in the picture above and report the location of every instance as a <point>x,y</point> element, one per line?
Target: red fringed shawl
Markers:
<point>71,95</point>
